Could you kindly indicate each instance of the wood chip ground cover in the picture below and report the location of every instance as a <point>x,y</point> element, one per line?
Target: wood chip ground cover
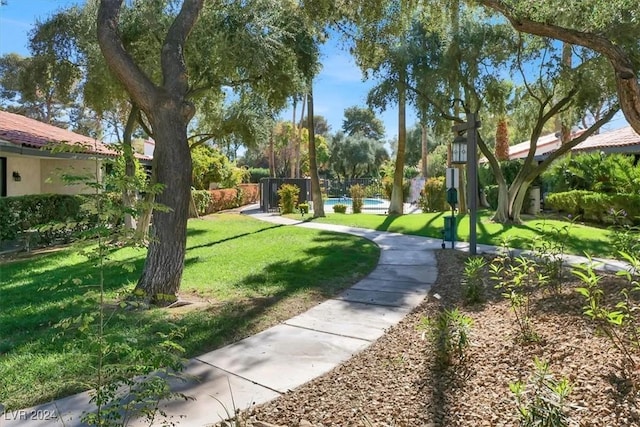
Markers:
<point>395,382</point>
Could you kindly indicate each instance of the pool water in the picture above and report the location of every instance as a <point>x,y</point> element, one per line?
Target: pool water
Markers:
<point>347,201</point>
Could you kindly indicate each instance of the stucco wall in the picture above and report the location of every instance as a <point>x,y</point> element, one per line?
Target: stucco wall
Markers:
<point>29,170</point>
<point>52,169</point>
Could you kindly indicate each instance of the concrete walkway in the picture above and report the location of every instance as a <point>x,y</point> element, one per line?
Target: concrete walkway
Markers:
<point>261,367</point>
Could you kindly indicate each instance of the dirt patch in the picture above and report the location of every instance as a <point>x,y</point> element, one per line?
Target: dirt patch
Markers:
<point>396,381</point>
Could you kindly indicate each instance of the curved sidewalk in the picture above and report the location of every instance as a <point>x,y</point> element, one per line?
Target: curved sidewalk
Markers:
<point>262,367</point>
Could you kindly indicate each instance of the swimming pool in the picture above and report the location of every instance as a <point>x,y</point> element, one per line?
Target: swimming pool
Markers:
<point>368,202</point>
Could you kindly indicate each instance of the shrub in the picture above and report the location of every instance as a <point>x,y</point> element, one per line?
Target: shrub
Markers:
<point>542,401</point>
<point>595,207</point>
<point>256,174</point>
<point>473,280</point>
<point>62,215</point>
<point>611,173</point>
<point>340,208</point>
<point>223,199</point>
<point>433,196</point>
<point>449,332</point>
<point>517,279</point>
<point>357,193</point>
<point>618,321</point>
<point>303,208</point>
<point>387,187</point>
<point>249,193</point>
<point>374,189</point>
<point>288,198</point>
<point>202,199</point>
<point>491,192</point>
<point>411,172</point>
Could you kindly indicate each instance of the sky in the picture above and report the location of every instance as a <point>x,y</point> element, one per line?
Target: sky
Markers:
<point>338,86</point>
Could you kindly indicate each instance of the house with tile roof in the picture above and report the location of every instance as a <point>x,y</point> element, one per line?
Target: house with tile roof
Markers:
<point>623,140</point>
<point>32,157</point>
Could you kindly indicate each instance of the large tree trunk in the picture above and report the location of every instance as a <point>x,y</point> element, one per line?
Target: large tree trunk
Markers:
<point>316,191</point>
<point>518,202</point>
<point>165,260</point>
<point>501,214</point>
<point>396,206</point>
<point>169,112</point>
<point>626,78</point>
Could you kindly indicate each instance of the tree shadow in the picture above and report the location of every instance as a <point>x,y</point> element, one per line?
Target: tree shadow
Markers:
<point>389,219</point>
<point>238,236</point>
<point>428,229</point>
<point>36,307</point>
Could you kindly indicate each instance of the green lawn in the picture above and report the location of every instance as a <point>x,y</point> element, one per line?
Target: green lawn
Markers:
<point>253,273</point>
<point>581,238</point>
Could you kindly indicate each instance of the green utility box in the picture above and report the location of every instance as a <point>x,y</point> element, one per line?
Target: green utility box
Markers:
<point>449,227</point>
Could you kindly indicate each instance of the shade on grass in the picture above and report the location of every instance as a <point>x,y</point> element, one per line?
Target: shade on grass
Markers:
<point>244,267</point>
<point>581,238</point>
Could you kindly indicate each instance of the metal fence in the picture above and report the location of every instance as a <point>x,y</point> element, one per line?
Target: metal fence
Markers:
<point>335,191</point>
<point>338,192</point>
<point>336,188</point>
<point>269,191</point>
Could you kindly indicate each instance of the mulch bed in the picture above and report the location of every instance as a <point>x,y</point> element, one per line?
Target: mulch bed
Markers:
<point>398,382</point>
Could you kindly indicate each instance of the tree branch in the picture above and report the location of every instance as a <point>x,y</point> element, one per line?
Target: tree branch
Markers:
<point>627,84</point>
<point>120,63</point>
<point>174,68</point>
<point>575,141</point>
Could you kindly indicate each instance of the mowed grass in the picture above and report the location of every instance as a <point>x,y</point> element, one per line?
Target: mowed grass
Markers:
<point>581,238</point>
<point>246,274</point>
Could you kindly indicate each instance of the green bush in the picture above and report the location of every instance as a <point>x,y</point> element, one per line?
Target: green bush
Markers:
<point>491,192</point>
<point>612,173</point>
<point>21,213</point>
<point>340,208</point>
<point>357,193</point>
<point>202,199</point>
<point>433,197</point>
<point>387,186</point>
<point>303,208</point>
<point>595,207</point>
<point>288,198</point>
<point>256,174</point>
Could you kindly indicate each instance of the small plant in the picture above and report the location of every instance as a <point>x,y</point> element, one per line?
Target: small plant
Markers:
<point>542,401</point>
<point>619,324</point>
<point>288,198</point>
<point>449,332</point>
<point>473,281</point>
<point>357,193</point>
<point>518,279</point>
<point>340,208</point>
<point>303,208</point>
<point>624,237</point>
<point>548,250</point>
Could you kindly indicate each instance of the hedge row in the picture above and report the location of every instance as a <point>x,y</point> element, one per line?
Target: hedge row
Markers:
<point>21,213</point>
<point>210,201</point>
<point>595,207</point>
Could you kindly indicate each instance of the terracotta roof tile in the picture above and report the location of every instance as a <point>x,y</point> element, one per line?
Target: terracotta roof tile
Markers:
<point>24,131</point>
<point>621,137</point>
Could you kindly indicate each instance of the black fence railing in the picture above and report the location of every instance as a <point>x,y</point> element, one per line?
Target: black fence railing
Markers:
<point>340,188</point>
<point>269,191</point>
